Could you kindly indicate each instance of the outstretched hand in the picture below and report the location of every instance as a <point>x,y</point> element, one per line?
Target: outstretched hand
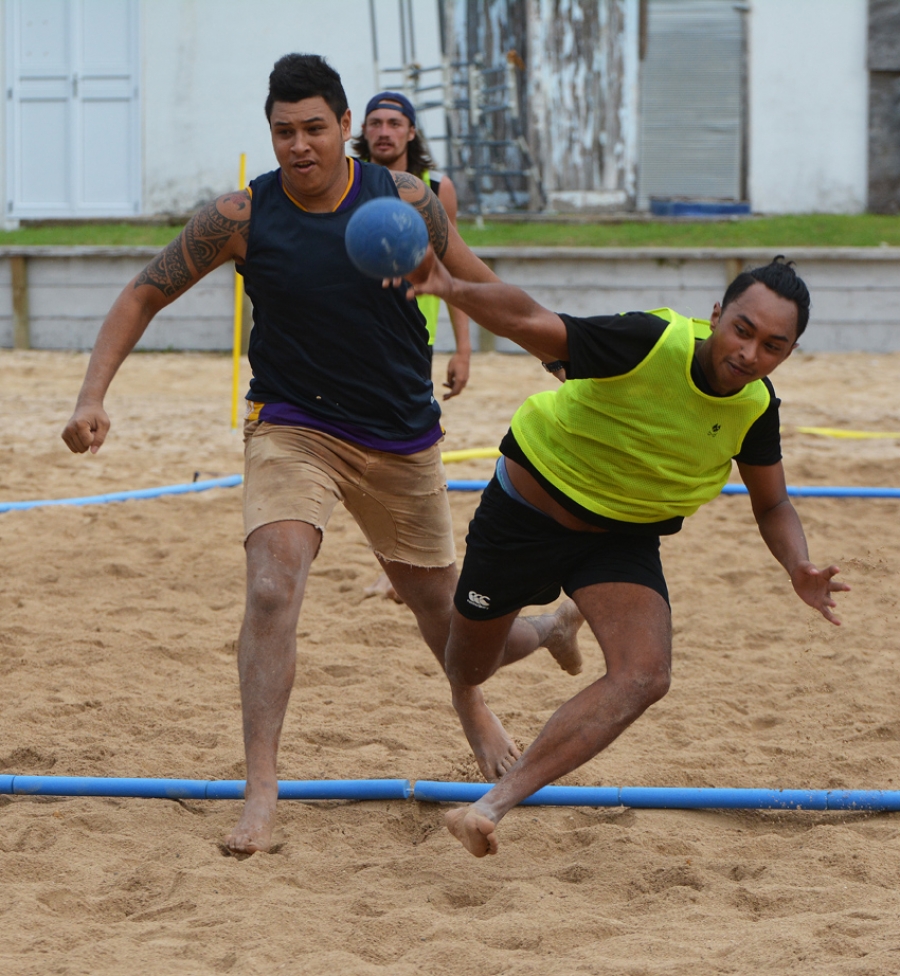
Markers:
<point>429,278</point>
<point>87,429</point>
<point>815,586</point>
<point>432,278</point>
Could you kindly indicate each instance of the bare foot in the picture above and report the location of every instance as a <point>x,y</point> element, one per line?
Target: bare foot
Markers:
<point>563,640</point>
<point>475,831</point>
<point>254,830</point>
<point>495,752</point>
<point>384,588</point>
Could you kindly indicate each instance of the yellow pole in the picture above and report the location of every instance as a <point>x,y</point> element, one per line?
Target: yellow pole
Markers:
<point>238,317</point>
<point>473,452</point>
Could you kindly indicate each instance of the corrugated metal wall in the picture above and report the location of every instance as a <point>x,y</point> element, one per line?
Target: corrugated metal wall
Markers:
<point>693,85</point>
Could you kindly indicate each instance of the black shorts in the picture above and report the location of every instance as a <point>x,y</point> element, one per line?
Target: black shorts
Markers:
<point>517,557</point>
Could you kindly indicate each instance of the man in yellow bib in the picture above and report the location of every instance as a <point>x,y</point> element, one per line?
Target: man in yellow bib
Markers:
<point>653,408</point>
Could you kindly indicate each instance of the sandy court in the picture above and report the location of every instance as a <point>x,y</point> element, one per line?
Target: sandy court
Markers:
<point>117,655</point>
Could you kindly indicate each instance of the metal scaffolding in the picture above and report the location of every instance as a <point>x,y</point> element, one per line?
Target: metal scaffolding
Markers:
<point>487,154</point>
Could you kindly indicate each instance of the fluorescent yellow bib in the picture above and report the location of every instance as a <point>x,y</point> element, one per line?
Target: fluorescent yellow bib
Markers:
<point>429,305</point>
<point>642,447</point>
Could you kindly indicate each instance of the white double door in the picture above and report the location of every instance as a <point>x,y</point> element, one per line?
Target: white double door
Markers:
<point>72,108</point>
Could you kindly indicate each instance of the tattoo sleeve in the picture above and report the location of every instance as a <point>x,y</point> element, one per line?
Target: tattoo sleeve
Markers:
<point>168,271</point>
<point>201,242</point>
<point>431,209</point>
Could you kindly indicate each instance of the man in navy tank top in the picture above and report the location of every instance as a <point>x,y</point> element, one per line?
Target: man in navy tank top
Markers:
<point>341,406</point>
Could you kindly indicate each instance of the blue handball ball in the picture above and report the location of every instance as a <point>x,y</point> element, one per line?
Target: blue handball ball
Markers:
<point>386,238</point>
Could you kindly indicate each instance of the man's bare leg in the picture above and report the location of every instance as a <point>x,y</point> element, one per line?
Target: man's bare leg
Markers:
<point>429,594</point>
<point>633,626</point>
<point>493,749</point>
<point>279,557</point>
<point>479,648</point>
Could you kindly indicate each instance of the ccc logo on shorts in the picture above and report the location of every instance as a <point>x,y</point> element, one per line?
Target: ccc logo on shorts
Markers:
<point>477,600</point>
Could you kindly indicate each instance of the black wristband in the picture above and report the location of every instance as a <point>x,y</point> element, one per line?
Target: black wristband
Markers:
<point>554,366</point>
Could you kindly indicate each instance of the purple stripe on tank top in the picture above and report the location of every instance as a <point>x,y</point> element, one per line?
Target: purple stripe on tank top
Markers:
<point>353,192</point>
<point>287,415</point>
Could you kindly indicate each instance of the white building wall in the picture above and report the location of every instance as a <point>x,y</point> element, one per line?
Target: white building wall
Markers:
<point>206,67</point>
<point>808,94</point>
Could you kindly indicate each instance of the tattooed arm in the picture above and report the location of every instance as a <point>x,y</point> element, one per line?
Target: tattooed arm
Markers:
<point>445,239</point>
<point>503,309</point>
<point>216,234</point>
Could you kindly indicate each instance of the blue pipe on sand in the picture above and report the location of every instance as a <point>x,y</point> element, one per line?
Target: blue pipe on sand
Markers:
<point>647,797</point>
<point>672,798</point>
<point>122,496</point>
<point>823,491</point>
<point>815,491</point>
<point>198,789</point>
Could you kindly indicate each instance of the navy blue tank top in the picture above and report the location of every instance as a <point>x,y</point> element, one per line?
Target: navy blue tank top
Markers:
<point>328,343</point>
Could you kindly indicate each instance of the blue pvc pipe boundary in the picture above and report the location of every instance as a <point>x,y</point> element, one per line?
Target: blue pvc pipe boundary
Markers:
<point>814,491</point>
<point>427,791</point>
<point>197,789</point>
<point>123,496</point>
<point>823,491</point>
<point>672,798</point>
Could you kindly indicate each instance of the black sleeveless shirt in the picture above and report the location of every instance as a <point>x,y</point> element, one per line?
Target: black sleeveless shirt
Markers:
<point>328,342</point>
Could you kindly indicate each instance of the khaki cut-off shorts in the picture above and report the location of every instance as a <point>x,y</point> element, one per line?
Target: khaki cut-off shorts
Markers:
<point>399,501</point>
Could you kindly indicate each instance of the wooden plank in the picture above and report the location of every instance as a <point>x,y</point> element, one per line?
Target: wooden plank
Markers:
<point>733,267</point>
<point>88,287</point>
<point>21,321</point>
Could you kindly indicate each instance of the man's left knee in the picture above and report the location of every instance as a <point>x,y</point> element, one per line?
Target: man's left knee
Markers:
<point>466,670</point>
<point>656,684</point>
<point>648,686</point>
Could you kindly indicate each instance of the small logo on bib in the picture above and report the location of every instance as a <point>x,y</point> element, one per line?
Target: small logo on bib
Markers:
<point>713,430</point>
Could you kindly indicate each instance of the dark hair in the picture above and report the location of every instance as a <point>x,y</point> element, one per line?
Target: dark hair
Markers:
<point>417,157</point>
<point>780,277</point>
<point>299,76</point>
